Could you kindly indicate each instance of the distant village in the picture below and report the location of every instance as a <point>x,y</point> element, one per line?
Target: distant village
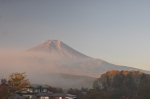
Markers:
<point>35,91</point>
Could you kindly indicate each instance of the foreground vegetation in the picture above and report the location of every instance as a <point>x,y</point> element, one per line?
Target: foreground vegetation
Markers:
<point>116,84</point>
<point>15,83</point>
<point>121,85</point>
<point>113,84</point>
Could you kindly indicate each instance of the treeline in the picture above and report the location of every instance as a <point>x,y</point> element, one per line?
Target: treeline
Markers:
<point>113,84</point>
<point>80,93</point>
<point>121,85</point>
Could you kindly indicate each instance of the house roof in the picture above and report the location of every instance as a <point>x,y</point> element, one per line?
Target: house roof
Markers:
<point>37,86</point>
<point>70,95</point>
<point>44,94</point>
<point>58,95</point>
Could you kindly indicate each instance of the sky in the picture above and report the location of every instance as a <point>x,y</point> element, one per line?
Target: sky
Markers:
<point>117,31</point>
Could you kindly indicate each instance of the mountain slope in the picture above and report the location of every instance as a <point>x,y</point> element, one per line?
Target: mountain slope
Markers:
<point>45,62</point>
<point>63,59</point>
<point>56,47</point>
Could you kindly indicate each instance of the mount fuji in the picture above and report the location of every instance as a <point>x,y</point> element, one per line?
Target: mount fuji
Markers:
<point>64,59</point>
<point>54,63</point>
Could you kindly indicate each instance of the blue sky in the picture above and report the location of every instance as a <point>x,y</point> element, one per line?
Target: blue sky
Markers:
<point>117,31</point>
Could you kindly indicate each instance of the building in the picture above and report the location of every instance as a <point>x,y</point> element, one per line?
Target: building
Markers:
<point>31,91</point>
<point>35,91</point>
<point>55,96</point>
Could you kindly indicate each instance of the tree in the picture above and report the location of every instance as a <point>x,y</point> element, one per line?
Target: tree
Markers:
<point>55,89</point>
<point>80,93</point>
<point>123,84</point>
<point>143,91</point>
<point>117,93</point>
<point>117,81</point>
<point>4,89</point>
<point>97,85</point>
<point>15,83</point>
<point>94,94</point>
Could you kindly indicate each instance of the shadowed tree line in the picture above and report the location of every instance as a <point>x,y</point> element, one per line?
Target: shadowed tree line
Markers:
<point>116,84</point>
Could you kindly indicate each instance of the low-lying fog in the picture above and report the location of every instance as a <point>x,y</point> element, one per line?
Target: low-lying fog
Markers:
<point>40,69</point>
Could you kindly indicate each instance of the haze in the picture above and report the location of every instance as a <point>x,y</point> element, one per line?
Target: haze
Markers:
<point>115,31</point>
<point>41,68</point>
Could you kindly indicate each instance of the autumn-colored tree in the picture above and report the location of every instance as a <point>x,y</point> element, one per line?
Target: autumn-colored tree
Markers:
<point>124,84</point>
<point>15,83</point>
<point>4,89</point>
